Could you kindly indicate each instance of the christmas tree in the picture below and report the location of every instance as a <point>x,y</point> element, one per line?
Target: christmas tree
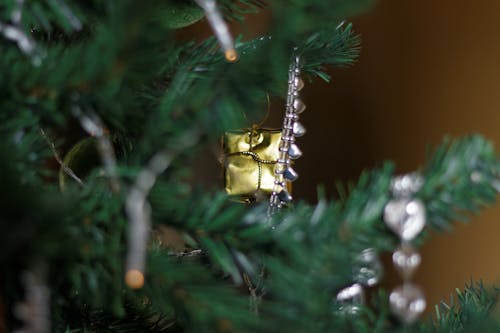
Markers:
<point>108,110</point>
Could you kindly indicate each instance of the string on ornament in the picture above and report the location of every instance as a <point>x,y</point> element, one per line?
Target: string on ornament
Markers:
<point>93,125</point>
<point>67,170</point>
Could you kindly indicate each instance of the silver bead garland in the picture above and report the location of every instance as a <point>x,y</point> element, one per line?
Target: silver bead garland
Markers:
<point>284,173</point>
<point>367,271</point>
<point>350,299</point>
<point>367,268</point>
<point>405,216</point>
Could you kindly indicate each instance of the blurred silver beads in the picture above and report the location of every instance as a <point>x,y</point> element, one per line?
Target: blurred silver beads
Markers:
<point>407,302</point>
<point>350,299</point>
<point>367,268</point>
<point>406,260</point>
<point>406,217</point>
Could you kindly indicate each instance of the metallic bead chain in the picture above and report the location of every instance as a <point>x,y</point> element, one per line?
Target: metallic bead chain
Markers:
<point>288,150</point>
<point>405,216</point>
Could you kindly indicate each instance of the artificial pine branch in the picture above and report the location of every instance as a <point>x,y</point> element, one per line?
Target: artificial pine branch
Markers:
<point>461,177</point>
<point>149,89</point>
<point>469,311</point>
<point>311,249</point>
<point>236,10</point>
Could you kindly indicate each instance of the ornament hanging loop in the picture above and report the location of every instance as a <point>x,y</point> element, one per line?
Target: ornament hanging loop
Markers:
<point>256,126</point>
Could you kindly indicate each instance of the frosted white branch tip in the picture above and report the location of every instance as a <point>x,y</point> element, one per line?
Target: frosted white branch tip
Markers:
<point>220,28</point>
<point>34,310</point>
<point>14,32</point>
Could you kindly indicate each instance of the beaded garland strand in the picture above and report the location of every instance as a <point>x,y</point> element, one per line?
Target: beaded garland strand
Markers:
<point>405,216</point>
<point>288,149</point>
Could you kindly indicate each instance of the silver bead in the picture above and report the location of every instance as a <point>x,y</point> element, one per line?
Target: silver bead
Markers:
<point>299,83</point>
<point>287,138</point>
<point>367,268</point>
<point>351,299</point>
<point>298,129</point>
<point>294,152</point>
<point>284,196</point>
<point>290,174</point>
<point>406,260</point>
<point>406,185</point>
<point>405,217</point>
<point>279,168</point>
<point>298,105</point>
<point>407,302</point>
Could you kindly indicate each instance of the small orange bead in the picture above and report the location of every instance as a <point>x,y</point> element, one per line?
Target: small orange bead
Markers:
<point>134,279</point>
<point>231,55</point>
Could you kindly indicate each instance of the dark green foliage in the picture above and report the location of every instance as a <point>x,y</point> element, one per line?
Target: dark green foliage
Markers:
<point>469,311</point>
<point>463,172</point>
<point>236,10</point>
<point>121,60</point>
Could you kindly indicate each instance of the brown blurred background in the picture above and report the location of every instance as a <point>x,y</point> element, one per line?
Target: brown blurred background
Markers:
<point>427,69</point>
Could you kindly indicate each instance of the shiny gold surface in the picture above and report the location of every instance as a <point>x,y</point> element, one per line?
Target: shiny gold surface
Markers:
<point>249,161</point>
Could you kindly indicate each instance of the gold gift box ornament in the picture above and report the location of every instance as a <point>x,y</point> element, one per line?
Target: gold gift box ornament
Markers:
<point>250,158</point>
<point>258,161</point>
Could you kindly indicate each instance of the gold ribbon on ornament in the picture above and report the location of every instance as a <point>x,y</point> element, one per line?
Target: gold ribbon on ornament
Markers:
<point>257,159</point>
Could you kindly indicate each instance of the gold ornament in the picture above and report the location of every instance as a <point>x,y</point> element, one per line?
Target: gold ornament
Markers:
<point>250,157</point>
<point>259,161</point>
